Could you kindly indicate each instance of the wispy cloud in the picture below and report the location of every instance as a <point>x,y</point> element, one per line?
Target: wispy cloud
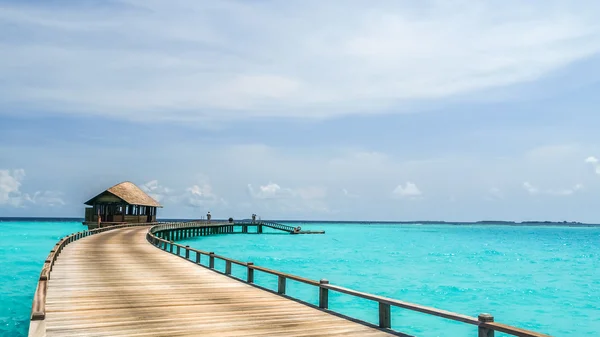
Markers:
<point>11,194</point>
<point>206,60</point>
<point>197,195</point>
<point>533,190</point>
<point>349,194</point>
<point>274,198</point>
<point>155,190</point>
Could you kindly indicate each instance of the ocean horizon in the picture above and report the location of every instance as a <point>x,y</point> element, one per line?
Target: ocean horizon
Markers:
<point>300,221</point>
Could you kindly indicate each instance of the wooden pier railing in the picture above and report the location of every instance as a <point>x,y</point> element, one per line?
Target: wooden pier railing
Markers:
<point>259,224</point>
<point>279,226</point>
<point>38,307</point>
<point>484,322</point>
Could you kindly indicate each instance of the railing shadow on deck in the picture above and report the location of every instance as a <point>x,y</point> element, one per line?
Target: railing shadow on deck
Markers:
<point>484,322</point>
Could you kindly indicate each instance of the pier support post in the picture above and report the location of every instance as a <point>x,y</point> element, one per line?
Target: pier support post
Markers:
<point>250,277</point>
<point>385,317</point>
<point>211,261</point>
<point>281,285</point>
<point>323,295</point>
<point>483,331</point>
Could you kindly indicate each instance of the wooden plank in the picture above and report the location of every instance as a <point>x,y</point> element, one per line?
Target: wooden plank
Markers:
<point>117,284</point>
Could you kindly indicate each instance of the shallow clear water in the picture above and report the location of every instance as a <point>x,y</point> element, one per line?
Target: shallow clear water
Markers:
<point>540,278</point>
<point>23,249</point>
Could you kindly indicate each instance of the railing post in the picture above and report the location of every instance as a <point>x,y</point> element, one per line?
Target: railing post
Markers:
<point>281,285</point>
<point>187,252</point>
<point>211,262</point>
<point>385,317</point>
<point>250,277</point>
<point>178,251</point>
<point>228,267</point>
<point>198,257</point>
<point>483,331</point>
<point>171,247</point>
<point>323,295</point>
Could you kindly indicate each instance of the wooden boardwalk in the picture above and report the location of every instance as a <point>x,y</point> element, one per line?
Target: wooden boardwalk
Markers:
<point>117,284</point>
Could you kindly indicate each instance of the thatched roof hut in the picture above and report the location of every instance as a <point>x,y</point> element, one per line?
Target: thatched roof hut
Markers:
<point>122,203</point>
<point>128,193</point>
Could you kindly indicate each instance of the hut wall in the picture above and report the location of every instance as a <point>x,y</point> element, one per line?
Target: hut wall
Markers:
<point>89,214</point>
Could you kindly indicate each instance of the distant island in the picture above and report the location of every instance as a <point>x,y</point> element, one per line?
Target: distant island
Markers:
<point>456,223</point>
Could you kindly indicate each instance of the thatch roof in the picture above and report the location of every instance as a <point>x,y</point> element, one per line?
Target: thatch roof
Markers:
<point>129,193</point>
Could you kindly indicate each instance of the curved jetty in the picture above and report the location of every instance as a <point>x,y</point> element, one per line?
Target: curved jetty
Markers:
<point>133,280</point>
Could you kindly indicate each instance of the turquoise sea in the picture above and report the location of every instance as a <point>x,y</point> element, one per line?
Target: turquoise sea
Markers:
<point>24,246</point>
<point>540,278</point>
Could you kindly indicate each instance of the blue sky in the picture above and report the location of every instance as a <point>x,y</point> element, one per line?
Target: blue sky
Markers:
<point>353,110</point>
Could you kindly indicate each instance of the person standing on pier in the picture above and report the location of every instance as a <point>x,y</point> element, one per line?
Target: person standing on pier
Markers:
<point>208,216</point>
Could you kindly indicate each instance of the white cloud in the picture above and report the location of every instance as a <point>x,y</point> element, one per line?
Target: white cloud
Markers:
<point>272,198</point>
<point>10,183</point>
<point>533,190</point>
<point>202,195</point>
<point>49,198</point>
<point>530,188</point>
<point>198,195</point>
<point>269,191</point>
<point>204,60</point>
<point>410,190</point>
<point>11,194</point>
<point>274,191</point>
<point>595,164</point>
<point>155,190</point>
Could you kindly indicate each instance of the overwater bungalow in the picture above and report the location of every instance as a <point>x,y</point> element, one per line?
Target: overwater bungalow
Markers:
<point>122,203</point>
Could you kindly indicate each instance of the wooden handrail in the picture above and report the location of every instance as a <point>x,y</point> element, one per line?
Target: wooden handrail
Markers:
<point>227,259</point>
<point>38,306</point>
<point>485,322</point>
<point>287,276</point>
<point>406,305</point>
